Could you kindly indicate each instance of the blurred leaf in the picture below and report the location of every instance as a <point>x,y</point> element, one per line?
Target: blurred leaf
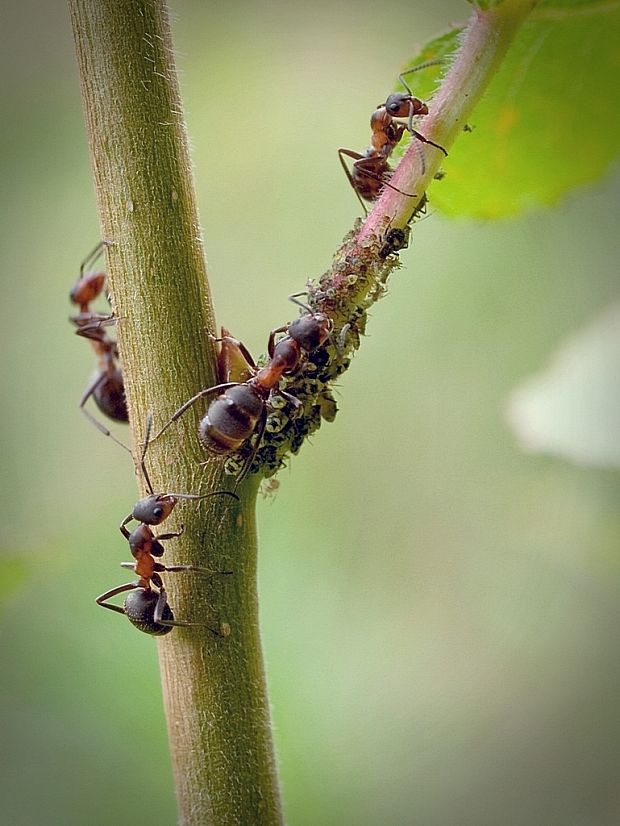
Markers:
<point>548,121</point>
<point>572,409</point>
<point>13,575</point>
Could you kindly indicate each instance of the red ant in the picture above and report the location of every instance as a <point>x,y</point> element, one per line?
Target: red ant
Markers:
<point>145,608</point>
<point>87,289</point>
<point>107,387</point>
<point>241,409</point>
<point>371,171</point>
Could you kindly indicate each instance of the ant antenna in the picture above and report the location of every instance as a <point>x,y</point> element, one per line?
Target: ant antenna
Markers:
<point>417,68</point>
<point>149,486</point>
<point>294,297</point>
<point>145,447</point>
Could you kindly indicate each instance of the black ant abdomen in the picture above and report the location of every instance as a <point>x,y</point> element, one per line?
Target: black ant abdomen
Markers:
<point>231,419</point>
<point>109,395</point>
<point>140,607</point>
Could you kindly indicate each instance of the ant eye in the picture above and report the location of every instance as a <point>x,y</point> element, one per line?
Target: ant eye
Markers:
<point>158,511</point>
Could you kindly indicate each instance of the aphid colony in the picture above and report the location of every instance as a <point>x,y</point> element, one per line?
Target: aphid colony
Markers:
<point>256,411</point>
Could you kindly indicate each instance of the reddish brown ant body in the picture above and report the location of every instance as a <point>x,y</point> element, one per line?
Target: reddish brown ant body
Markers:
<point>371,171</point>
<point>241,408</point>
<point>107,387</point>
<point>144,607</point>
<point>87,289</point>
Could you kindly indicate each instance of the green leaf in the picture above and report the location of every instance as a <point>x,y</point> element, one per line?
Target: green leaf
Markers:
<point>548,122</point>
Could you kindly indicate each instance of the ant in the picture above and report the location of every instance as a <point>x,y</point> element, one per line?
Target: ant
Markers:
<point>144,607</point>
<point>240,410</point>
<point>87,289</point>
<point>107,387</point>
<point>371,171</point>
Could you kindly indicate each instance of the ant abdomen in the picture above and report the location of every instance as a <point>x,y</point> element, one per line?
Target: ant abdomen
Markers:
<point>231,419</point>
<point>140,608</point>
<point>109,396</point>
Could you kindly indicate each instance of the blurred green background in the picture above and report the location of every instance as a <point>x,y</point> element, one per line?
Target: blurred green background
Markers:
<point>439,608</point>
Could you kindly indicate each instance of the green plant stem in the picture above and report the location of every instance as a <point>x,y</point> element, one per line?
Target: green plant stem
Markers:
<point>213,677</point>
<point>484,43</point>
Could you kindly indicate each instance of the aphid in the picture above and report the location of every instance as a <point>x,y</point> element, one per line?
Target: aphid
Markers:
<point>144,607</point>
<point>240,410</point>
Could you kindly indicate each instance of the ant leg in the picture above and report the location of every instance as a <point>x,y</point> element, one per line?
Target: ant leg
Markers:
<point>356,157</point>
<point>160,607</point>
<point>291,399</point>
<point>370,174</point>
<point>272,335</point>
<point>87,323</point>
<point>99,425</point>
<point>122,527</point>
<point>241,346</point>
<point>163,536</point>
<point>178,413</point>
<point>420,137</point>
<point>248,462</point>
<point>101,600</point>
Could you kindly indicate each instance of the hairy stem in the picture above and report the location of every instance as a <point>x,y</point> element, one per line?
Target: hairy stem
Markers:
<point>213,677</point>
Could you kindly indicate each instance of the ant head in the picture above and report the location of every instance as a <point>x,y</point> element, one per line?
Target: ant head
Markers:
<point>154,509</point>
<point>397,105</point>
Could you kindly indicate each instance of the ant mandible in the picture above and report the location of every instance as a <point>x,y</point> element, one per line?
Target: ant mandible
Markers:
<point>107,387</point>
<point>240,409</point>
<point>144,607</point>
